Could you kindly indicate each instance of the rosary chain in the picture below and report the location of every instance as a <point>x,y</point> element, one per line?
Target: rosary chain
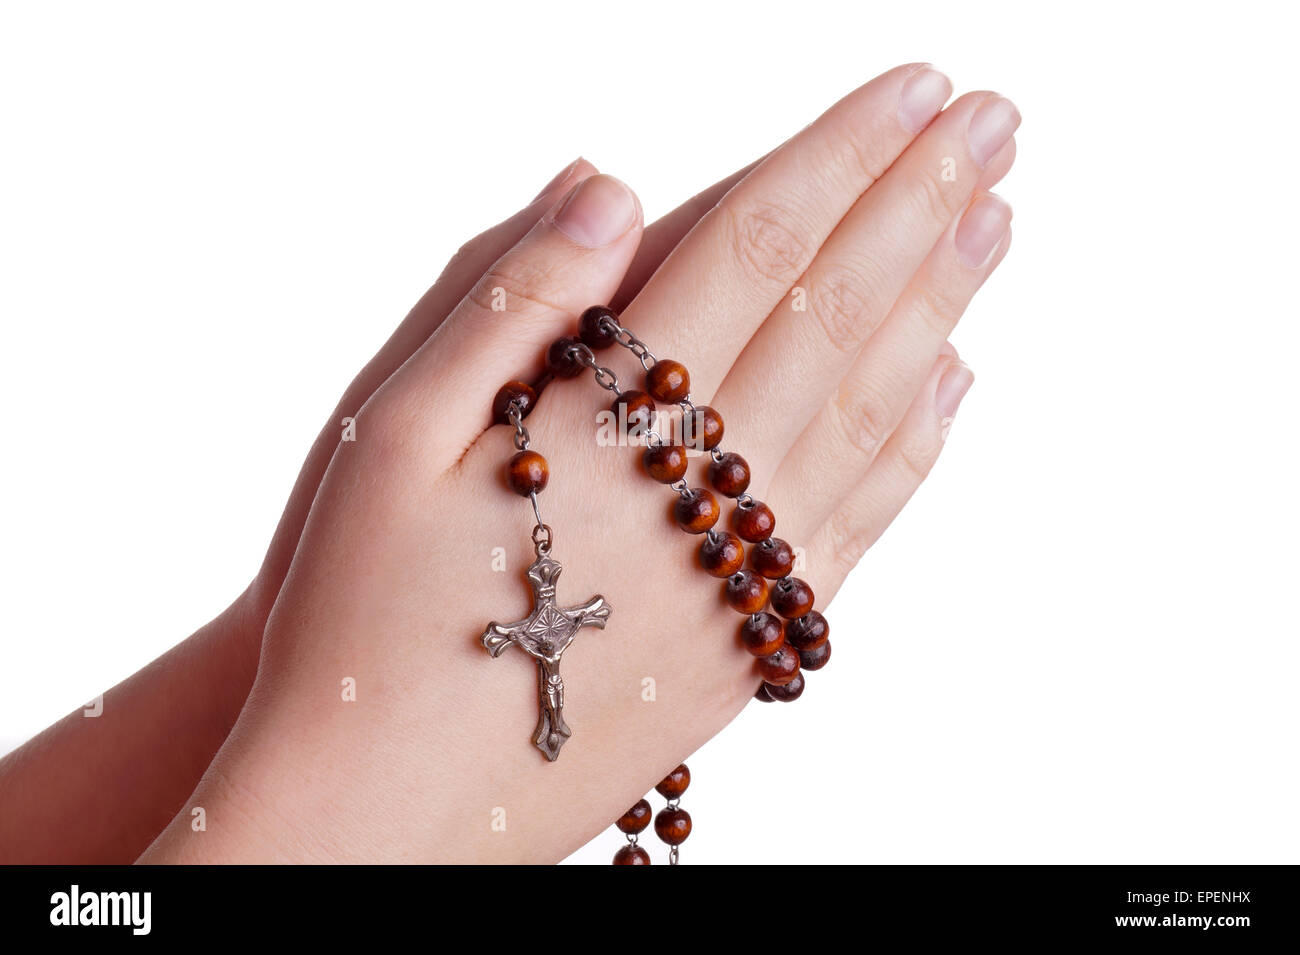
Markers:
<point>629,341</point>
<point>605,377</point>
<point>516,417</point>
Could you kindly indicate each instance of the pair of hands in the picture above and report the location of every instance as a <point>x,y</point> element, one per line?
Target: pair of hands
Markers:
<point>381,570</point>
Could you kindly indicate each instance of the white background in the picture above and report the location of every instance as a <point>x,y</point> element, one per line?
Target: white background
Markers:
<point>1079,642</point>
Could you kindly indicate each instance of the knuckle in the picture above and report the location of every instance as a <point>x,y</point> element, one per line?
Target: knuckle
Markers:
<point>849,538</point>
<point>938,306</point>
<point>933,198</point>
<point>473,250</point>
<point>917,454</point>
<point>865,154</point>
<point>862,416</point>
<point>470,249</point>
<point>842,304</point>
<point>518,287</point>
<point>768,240</point>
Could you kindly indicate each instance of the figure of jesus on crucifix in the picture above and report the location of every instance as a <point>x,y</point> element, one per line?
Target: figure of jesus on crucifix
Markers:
<point>545,634</point>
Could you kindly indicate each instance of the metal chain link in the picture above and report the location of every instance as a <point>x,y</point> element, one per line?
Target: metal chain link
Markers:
<point>629,341</point>
<point>516,416</point>
<point>673,850</point>
<point>605,377</point>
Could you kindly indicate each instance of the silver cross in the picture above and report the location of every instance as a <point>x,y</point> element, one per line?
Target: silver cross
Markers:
<point>545,634</point>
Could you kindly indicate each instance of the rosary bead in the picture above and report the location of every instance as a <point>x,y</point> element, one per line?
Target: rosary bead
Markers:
<point>668,381</point>
<point>637,408</point>
<point>696,511</point>
<point>722,554</point>
<point>593,334</point>
<point>729,475</point>
<point>779,668</point>
<point>528,473</point>
<point>787,693</point>
<point>674,784</point>
<point>754,521</point>
<point>746,591</point>
<point>773,558</point>
<point>762,634</point>
<point>519,392</point>
<point>665,463</point>
<point>702,429</point>
<point>673,826</point>
<point>631,855</point>
<point>816,658</point>
<point>791,597</point>
<point>560,359</point>
<point>807,632</point>
<point>635,819</point>
<point>761,694</point>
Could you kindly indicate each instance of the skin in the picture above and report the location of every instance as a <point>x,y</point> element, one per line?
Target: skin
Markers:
<point>384,536</point>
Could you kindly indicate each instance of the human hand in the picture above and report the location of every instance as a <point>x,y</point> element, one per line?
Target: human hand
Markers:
<point>75,792</point>
<point>840,411</point>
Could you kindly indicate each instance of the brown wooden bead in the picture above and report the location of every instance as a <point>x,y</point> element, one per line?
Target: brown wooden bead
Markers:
<point>746,591</point>
<point>674,784</point>
<point>637,409</point>
<point>696,510</point>
<point>791,597</point>
<point>631,855</point>
<point>762,695</point>
<point>722,554</point>
<point>635,819</point>
<point>668,381</point>
<point>754,521</point>
<point>665,463</point>
<point>527,473</point>
<point>773,558</point>
<point>519,392</point>
<point>779,668</point>
<point>593,333</point>
<point>729,475</point>
<point>673,826</point>
<point>560,359</point>
<point>815,658</point>
<point>702,429</point>
<point>807,632</point>
<point>787,693</point>
<point>762,634</point>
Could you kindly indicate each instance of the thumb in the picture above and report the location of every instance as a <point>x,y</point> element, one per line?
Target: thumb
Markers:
<point>574,257</point>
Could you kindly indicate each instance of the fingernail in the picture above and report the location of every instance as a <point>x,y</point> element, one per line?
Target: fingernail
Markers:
<point>597,212</point>
<point>991,127</point>
<point>923,96</point>
<point>956,381</point>
<point>981,229</point>
<point>562,175</point>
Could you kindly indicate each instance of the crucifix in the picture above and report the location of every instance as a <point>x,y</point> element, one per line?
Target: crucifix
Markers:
<point>545,634</point>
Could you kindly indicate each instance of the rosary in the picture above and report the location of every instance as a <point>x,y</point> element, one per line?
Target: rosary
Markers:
<point>786,643</point>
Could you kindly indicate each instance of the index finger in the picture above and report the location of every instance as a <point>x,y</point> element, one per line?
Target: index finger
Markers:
<point>723,279</point>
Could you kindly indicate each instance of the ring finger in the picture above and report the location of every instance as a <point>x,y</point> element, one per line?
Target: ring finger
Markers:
<point>865,408</point>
